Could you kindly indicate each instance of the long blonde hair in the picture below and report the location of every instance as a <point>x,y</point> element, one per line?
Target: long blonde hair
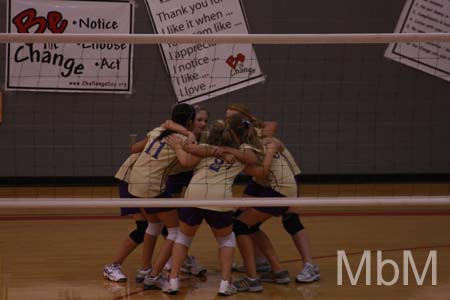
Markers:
<point>245,111</point>
<point>233,132</point>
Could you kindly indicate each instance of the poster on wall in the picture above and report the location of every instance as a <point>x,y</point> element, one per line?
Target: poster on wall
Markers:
<point>78,67</point>
<point>424,16</point>
<point>202,71</point>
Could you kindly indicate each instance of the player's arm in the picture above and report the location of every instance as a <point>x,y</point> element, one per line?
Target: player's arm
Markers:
<point>139,146</point>
<point>208,151</point>
<point>262,171</point>
<point>185,158</point>
<point>246,156</point>
<point>269,128</point>
<point>171,125</point>
<point>201,150</point>
<point>275,142</point>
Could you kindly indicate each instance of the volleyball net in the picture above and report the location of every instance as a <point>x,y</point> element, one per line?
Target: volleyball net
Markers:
<point>345,104</point>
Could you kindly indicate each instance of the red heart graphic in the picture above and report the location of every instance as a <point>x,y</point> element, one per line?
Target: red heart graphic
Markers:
<point>233,61</point>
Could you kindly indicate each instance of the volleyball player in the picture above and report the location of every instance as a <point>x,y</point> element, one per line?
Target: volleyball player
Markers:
<point>148,179</point>
<point>290,219</point>
<point>113,271</point>
<point>177,182</point>
<point>213,179</point>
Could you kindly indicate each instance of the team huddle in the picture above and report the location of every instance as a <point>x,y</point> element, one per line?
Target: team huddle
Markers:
<point>186,152</point>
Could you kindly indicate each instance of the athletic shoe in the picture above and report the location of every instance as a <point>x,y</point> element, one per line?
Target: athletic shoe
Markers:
<point>153,282</point>
<point>226,288</point>
<point>309,273</point>
<point>171,286</point>
<point>113,272</point>
<point>245,284</point>
<point>191,266</point>
<point>281,277</point>
<point>141,273</point>
<point>260,268</point>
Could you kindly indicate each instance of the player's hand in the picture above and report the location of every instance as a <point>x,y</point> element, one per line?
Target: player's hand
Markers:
<point>191,138</point>
<point>229,158</point>
<point>272,144</point>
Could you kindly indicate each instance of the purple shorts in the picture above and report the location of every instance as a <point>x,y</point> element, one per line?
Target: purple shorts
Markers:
<point>123,193</point>
<point>175,183</point>
<point>256,190</point>
<point>216,219</point>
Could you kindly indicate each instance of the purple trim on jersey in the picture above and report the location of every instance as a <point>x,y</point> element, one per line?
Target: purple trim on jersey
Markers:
<point>123,193</point>
<point>155,210</point>
<point>175,183</point>
<point>216,219</point>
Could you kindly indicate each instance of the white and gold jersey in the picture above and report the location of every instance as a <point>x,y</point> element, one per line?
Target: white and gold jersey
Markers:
<point>281,176</point>
<point>292,163</point>
<point>124,171</point>
<point>287,155</point>
<point>213,180</point>
<point>156,162</point>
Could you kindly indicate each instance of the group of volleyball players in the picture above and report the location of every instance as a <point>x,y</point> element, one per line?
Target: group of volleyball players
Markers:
<point>184,151</point>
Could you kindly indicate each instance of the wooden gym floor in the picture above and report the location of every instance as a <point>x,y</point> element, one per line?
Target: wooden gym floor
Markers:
<point>59,254</point>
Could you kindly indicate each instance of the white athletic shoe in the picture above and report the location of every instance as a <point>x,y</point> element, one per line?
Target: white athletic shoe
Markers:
<point>141,273</point>
<point>310,273</point>
<point>171,286</point>
<point>191,266</point>
<point>114,273</point>
<point>226,288</point>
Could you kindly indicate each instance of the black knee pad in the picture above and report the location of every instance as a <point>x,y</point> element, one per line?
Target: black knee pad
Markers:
<point>164,232</point>
<point>240,228</point>
<point>137,235</point>
<point>254,228</point>
<point>292,223</point>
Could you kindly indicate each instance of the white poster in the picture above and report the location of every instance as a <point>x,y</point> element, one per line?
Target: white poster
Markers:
<point>82,67</point>
<point>424,16</point>
<point>203,71</point>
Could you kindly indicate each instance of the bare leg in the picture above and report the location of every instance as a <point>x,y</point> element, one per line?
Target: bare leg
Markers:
<point>128,245</point>
<point>302,242</point>
<point>170,220</point>
<point>263,243</point>
<point>148,248</point>
<point>303,245</point>
<point>179,251</point>
<point>249,217</point>
<point>226,254</point>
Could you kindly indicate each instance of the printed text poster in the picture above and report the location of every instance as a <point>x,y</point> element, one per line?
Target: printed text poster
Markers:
<point>203,71</point>
<point>82,67</point>
<point>424,16</point>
